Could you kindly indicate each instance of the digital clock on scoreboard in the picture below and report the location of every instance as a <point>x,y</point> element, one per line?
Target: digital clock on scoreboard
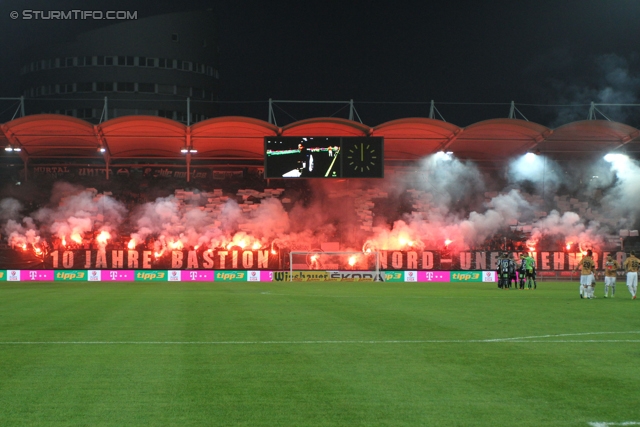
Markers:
<point>324,157</point>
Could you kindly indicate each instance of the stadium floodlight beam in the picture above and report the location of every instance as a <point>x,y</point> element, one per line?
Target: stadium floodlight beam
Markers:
<point>615,157</point>
<point>17,149</point>
<point>191,150</point>
<point>8,148</point>
<point>184,150</point>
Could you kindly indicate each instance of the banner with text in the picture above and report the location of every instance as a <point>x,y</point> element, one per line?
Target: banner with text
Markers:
<point>256,260</point>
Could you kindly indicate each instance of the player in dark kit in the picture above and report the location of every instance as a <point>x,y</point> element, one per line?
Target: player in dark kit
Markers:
<point>522,270</point>
<point>504,271</point>
<point>512,272</point>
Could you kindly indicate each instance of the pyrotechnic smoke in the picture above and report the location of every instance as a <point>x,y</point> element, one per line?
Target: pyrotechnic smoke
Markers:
<point>570,227</point>
<point>9,209</point>
<point>176,225</point>
<point>432,227</point>
<point>22,235</point>
<point>622,199</point>
<point>73,212</point>
<point>79,211</point>
<point>614,84</point>
<point>452,183</point>
<point>444,202</point>
<point>537,169</point>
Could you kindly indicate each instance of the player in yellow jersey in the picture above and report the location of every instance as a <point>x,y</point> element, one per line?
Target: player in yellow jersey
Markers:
<point>586,275</point>
<point>611,268</point>
<point>631,266</point>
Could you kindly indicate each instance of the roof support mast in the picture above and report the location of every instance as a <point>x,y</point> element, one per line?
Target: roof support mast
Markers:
<point>188,156</point>
<point>433,110</point>
<point>513,110</point>
<point>188,111</point>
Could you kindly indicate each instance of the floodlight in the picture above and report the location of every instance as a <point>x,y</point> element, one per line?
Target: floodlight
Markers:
<point>615,157</point>
<point>444,155</point>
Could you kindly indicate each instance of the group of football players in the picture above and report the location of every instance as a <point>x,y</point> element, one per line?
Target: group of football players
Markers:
<point>524,274</point>
<point>588,275</point>
<point>509,272</point>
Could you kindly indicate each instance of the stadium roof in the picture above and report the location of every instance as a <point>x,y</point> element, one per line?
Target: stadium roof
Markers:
<point>148,137</point>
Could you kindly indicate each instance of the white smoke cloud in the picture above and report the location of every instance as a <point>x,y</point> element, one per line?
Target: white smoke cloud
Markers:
<point>538,169</point>
<point>9,209</point>
<point>21,234</point>
<point>73,212</point>
<point>614,84</point>
<point>622,199</point>
<point>570,227</point>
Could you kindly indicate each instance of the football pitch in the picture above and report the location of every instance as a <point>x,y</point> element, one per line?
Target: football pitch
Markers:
<point>316,354</point>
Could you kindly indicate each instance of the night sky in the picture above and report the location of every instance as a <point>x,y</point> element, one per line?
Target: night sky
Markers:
<point>392,58</point>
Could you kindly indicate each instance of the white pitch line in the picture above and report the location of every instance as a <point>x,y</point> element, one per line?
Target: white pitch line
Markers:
<point>530,339</point>
<point>605,424</point>
<point>377,296</point>
<point>564,335</point>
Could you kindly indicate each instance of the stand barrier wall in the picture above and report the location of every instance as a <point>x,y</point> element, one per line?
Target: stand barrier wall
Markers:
<point>243,276</point>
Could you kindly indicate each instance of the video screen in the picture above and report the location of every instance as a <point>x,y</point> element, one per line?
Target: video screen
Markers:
<point>323,157</point>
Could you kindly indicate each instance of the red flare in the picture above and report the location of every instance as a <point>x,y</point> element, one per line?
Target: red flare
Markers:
<point>103,237</point>
<point>176,245</point>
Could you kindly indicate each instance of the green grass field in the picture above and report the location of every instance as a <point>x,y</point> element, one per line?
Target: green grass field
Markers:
<point>317,354</point>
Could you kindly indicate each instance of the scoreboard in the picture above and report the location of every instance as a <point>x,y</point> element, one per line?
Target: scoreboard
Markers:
<point>324,157</point>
